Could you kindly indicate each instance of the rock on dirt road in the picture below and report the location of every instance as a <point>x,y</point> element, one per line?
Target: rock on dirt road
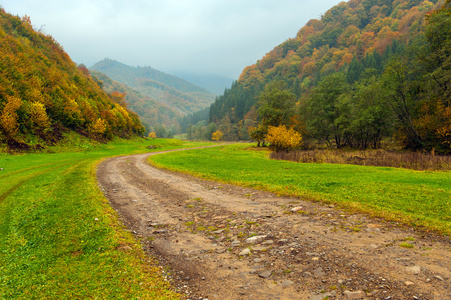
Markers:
<point>226,242</point>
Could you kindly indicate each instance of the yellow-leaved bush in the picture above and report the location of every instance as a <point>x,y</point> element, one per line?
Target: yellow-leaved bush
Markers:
<point>217,135</point>
<point>283,138</point>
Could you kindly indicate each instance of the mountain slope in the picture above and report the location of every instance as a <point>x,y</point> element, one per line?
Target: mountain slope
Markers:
<point>43,93</point>
<point>177,93</point>
<point>376,54</point>
<point>346,32</point>
<point>151,113</point>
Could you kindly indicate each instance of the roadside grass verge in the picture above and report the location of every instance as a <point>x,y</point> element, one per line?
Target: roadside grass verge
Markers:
<point>59,237</point>
<point>416,198</point>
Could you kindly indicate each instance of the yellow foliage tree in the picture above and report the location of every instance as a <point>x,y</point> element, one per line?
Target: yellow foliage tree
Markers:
<point>282,138</point>
<point>152,135</point>
<point>217,135</point>
<point>98,127</point>
<point>39,116</point>
<point>8,118</point>
<point>72,113</point>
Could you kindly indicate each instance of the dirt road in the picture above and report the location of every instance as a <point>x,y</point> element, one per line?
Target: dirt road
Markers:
<point>226,242</point>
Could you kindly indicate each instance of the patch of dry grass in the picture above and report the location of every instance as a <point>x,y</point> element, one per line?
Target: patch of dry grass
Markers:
<point>379,157</point>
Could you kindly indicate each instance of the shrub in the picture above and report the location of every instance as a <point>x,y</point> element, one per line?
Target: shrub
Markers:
<point>282,138</point>
<point>217,135</point>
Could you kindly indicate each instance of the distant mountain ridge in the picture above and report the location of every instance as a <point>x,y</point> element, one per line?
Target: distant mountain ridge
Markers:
<point>151,113</point>
<point>179,94</point>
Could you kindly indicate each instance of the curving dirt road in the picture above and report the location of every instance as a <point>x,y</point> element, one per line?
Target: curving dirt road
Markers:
<point>201,230</point>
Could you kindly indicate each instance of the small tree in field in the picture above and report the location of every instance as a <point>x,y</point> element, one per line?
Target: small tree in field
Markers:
<point>152,135</point>
<point>217,135</point>
<point>282,138</point>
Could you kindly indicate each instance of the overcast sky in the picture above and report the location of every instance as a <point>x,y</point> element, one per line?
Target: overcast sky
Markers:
<point>218,37</point>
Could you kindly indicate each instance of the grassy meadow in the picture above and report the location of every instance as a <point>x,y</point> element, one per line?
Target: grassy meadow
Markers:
<point>60,239</point>
<point>419,198</point>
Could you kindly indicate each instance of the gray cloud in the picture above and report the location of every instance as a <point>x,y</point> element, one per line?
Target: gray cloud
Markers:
<point>199,36</point>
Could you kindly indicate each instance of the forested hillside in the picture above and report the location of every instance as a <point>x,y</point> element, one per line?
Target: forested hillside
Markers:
<point>43,94</point>
<point>367,70</point>
<point>153,115</point>
<point>174,92</point>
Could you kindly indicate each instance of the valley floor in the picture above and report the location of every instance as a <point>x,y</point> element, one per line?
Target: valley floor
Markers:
<point>225,242</point>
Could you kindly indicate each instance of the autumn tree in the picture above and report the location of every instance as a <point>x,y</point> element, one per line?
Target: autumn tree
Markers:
<point>9,117</point>
<point>434,58</point>
<point>39,117</point>
<point>98,128</point>
<point>217,135</point>
<point>283,138</point>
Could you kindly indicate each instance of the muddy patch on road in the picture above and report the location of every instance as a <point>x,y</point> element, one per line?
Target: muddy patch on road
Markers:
<point>220,241</point>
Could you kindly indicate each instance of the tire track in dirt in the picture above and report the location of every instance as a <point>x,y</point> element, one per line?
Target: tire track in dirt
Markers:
<point>200,229</point>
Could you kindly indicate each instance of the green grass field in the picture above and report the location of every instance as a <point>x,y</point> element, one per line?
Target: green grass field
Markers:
<point>60,239</point>
<point>417,198</point>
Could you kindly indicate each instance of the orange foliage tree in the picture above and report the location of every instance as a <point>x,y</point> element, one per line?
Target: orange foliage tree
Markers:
<point>9,118</point>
